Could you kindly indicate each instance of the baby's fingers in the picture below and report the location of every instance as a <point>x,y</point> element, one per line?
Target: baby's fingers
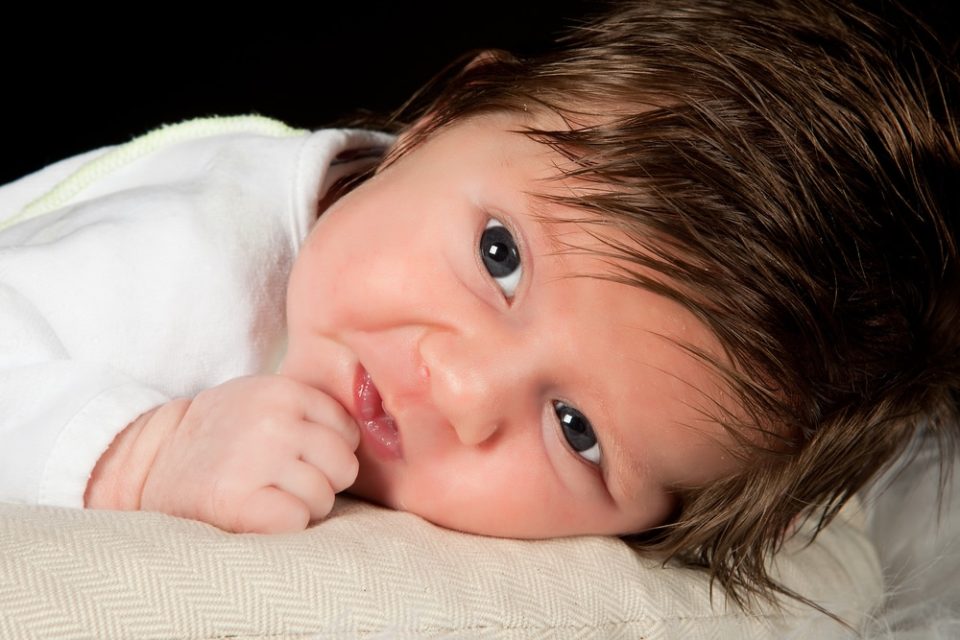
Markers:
<point>271,510</point>
<point>321,409</point>
<point>327,451</point>
<point>302,494</point>
<point>310,486</point>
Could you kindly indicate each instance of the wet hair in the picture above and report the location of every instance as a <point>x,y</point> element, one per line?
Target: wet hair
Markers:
<point>788,171</point>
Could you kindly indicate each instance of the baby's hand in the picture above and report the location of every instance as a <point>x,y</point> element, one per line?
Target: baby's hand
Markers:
<point>259,454</point>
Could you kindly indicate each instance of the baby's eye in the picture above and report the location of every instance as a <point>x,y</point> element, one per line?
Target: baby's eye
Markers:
<point>501,257</point>
<point>578,432</point>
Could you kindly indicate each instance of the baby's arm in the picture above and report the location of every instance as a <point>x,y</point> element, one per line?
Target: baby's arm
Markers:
<point>259,454</point>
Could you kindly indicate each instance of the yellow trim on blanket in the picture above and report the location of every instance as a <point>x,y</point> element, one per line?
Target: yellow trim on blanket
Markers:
<point>151,141</point>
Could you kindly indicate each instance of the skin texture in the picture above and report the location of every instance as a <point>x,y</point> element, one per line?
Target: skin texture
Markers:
<point>391,278</point>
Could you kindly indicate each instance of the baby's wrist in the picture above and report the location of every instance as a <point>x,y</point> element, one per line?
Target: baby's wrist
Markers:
<point>117,480</point>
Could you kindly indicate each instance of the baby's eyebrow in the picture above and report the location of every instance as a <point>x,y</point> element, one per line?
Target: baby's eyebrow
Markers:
<point>620,467</point>
<point>623,466</point>
<point>543,210</point>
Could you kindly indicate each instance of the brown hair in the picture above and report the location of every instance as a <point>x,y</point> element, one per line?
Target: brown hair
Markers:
<point>790,170</point>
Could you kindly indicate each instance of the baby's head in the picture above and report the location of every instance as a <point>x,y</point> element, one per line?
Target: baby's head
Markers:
<point>688,278</point>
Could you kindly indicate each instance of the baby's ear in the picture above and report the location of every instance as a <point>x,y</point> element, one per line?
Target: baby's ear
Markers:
<point>470,62</point>
<point>459,72</point>
<point>489,56</point>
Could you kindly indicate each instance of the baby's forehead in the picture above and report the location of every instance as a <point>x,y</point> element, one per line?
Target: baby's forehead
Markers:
<point>643,317</point>
<point>607,246</point>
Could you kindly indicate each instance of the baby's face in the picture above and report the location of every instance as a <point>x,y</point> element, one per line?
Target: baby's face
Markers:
<point>517,400</point>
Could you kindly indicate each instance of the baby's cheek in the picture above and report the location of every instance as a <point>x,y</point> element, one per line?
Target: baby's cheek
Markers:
<point>374,483</point>
<point>508,505</point>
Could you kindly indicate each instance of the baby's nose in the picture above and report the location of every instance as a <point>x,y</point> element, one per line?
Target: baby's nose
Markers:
<point>470,407</point>
<point>476,391</point>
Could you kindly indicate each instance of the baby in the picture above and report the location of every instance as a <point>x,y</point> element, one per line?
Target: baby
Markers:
<point>688,278</point>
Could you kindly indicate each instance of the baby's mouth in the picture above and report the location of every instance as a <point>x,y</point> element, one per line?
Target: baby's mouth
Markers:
<point>378,426</point>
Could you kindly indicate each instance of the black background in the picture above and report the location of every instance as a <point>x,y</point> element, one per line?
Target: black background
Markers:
<point>74,83</point>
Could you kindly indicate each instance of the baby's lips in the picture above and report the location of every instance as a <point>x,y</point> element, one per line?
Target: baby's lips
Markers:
<point>369,404</point>
<point>378,425</point>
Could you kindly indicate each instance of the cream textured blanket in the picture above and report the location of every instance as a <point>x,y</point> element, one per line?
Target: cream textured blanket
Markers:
<point>367,572</point>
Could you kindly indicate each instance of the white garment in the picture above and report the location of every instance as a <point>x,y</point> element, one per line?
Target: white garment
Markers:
<point>135,274</point>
